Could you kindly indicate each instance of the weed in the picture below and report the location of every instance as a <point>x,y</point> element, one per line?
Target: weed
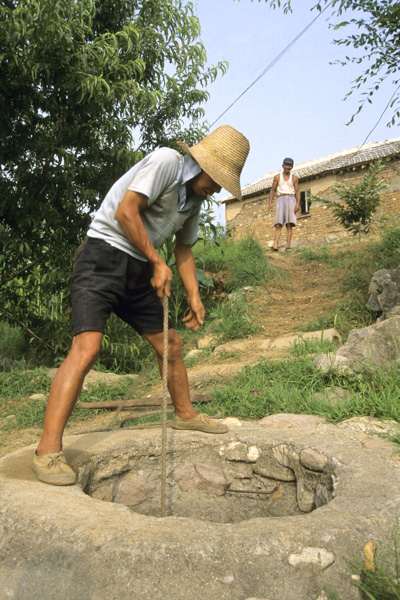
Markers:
<point>304,347</point>
<point>382,582</point>
<point>295,386</point>
<point>233,319</point>
<point>322,322</point>
<point>245,261</point>
<point>17,387</point>
<point>321,255</point>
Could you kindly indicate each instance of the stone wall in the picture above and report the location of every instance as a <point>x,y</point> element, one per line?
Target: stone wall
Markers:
<point>253,217</point>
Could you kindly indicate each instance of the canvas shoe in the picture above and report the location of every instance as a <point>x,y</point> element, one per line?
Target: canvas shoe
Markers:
<point>53,469</point>
<point>200,423</point>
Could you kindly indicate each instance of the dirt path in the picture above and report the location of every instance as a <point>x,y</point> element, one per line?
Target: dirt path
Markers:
<point>304,292</point>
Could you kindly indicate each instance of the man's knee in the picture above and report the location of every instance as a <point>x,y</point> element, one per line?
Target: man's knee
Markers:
<point>86,347</point>
<point>174,346</point>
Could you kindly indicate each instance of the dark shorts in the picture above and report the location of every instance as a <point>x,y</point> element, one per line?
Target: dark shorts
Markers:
<point>107,280</point>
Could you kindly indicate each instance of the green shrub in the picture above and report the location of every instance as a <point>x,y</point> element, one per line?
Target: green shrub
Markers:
<point>13,343</point>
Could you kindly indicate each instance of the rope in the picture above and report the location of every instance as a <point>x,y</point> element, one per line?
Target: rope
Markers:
<point>164,412</point>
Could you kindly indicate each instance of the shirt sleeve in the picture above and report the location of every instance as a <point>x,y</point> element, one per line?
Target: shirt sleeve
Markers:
<point>189,231</point>
<point>158,171</point>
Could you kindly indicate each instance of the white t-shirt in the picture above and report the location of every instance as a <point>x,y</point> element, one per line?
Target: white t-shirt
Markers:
<point>161,176</point>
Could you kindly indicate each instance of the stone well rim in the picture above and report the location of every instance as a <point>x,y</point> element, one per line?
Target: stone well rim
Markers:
<point>37,513</point>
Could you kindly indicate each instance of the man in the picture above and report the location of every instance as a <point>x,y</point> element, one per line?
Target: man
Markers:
<point>119,270</point>
<point>286,186</point>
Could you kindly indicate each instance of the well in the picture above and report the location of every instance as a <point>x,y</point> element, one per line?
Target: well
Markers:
<point>310,496</point>
<point>215,480</point>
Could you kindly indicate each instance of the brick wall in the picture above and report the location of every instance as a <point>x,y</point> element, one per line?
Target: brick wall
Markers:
<point>253,217</point>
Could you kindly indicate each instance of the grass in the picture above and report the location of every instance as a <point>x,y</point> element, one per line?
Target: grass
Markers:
<point>295,386</point>
<point>245,262</point>
<point>233,319</point>
<point>18,411</point>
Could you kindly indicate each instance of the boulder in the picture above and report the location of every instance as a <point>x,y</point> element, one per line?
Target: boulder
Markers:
<point>384,291</point>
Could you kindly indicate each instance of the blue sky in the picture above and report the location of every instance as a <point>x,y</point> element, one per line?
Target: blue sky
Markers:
<point>297,108</point>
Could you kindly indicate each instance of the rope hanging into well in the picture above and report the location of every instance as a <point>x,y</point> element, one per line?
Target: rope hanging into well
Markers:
<point>164,412</point>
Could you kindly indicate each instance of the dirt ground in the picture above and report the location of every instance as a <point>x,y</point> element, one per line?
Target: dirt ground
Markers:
<point>303,292</point>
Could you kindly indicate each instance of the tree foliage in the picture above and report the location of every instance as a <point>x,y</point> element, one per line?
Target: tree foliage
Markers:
<point>358,202</point>
<point>374,26</point>
<point>78,81</point>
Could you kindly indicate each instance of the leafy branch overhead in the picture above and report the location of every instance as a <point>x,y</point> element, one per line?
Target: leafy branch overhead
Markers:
<point>374,34</point>
<point>86,88</point>
<point>358,203</point>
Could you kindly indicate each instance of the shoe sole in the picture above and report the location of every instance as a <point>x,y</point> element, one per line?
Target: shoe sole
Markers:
<point>61,479</point>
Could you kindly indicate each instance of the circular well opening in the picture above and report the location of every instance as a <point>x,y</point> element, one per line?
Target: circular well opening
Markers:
<point>226,483</point>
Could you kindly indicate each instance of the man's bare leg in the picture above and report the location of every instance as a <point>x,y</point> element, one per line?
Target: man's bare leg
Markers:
<point>178,385</point>
<point>185,415</point>
<point>66,387</point>
<point>289,231</point>
<point>278,231</point>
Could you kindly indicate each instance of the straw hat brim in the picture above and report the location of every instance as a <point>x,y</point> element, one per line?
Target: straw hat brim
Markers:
<point>225,177</point>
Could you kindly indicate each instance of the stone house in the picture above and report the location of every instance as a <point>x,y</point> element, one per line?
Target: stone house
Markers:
<point>315,222</point>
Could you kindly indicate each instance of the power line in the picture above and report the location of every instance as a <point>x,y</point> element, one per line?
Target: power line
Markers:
<point>381,116</point>
<point>276,59</point>
<point>345,161</point>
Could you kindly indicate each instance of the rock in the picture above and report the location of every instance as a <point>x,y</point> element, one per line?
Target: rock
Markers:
<point>193,353</point>
<point>227,580</point>
<point>211,479</point>
<point>313,556</point>
<point>94,377</point>
<point>7,364</point>
<point>236,451</point>
<point>332,361</point>
<point>384,290</point>
<point>38,397</point>
<point>269,467</point>
<point>287,341</point>
<point>335,395</point>
<point>371,426</point>
<point>206,341</point>
<point>289,420</point>
<point>313,460</point>
<point>187,478</point>
<point>231,422</point>
<point>285,455</point>
<point>373,348</point>
<point>136,488</point>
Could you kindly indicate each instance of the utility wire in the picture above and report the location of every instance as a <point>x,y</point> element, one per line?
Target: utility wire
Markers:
<point>276,59</point>
<point>380,118</point>
<point>358,150</point>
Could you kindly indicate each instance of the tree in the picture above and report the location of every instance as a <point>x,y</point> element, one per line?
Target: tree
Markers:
<point>375,26</point>
<point>359,202</point>
<point>78,81</point>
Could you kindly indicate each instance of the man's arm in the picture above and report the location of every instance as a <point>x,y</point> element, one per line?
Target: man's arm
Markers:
<point>273,190</point>
<point>297,192</point>
<point>128,217</point>
<point>187,271</point>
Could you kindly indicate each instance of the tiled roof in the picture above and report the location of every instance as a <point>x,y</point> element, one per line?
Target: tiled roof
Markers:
<point>326,164</point>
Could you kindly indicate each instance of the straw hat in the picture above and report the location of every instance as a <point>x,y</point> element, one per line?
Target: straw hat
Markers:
<point>222,155</point>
